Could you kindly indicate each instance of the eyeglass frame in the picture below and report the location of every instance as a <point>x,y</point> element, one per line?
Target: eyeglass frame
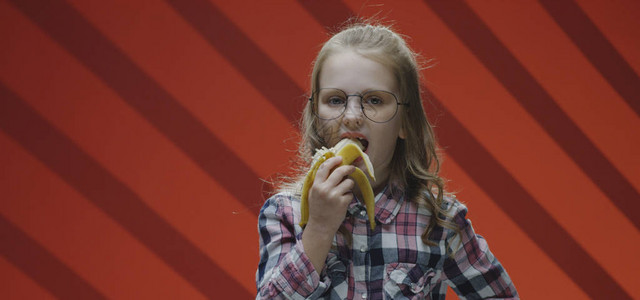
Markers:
<point>359,95</point>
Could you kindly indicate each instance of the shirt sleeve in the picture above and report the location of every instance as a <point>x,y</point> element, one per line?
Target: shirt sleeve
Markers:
<point>285,271</point>
<point>473,272</point>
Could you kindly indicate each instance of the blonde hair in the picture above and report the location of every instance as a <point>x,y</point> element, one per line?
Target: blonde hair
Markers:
<point>415,163</point>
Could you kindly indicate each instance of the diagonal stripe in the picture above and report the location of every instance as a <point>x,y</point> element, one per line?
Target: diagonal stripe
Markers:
<point>19,121</point>
<point>247,57</point>
<point>550,236</point>
<point>468,27</point>
<point>42,266</point>
<point>67,27</point>
<point>329,13</point>
<point>597,48</point>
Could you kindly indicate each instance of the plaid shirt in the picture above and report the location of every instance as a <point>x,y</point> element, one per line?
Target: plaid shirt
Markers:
<point>390,262</point>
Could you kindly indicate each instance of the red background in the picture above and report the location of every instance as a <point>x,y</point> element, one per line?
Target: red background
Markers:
<point>134,136</point>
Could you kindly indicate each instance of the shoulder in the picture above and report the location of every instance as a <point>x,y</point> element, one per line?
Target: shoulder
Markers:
<point>453,210</point>
<point>455,225</point>
<point>283,207</point>
<point>280,199</point>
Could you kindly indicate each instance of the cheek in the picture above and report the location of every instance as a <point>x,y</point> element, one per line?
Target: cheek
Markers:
<point>387,140</point>
<point>328,130</point>
<point>394,131</point>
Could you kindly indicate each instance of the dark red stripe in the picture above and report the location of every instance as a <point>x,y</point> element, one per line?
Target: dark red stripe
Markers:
<point>71,30</point>
<point>470,29</point>
<point>597,48</point>
<point>247,57</point>
<point>43,267</point>
<point>525,211</point>
<point>22,123</point>
<point>330,13</point>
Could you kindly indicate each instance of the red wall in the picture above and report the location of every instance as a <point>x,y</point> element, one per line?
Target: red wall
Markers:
<point>134,136</point>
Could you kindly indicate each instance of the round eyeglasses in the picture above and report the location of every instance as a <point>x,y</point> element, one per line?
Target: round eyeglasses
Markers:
<point>377,106</point>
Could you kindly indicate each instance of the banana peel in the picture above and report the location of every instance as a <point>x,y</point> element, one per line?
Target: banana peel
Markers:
<point>349,150</point>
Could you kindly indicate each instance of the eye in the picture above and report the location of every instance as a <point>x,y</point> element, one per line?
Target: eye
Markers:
<point>335,100</point>
<point>373,100</point>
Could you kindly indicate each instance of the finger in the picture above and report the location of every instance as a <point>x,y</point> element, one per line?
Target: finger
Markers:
<point>346,186</point>
<point>339,174</point>
<point>325,168</point>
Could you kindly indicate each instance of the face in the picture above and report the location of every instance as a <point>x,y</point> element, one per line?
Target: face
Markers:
<point>356,74</point>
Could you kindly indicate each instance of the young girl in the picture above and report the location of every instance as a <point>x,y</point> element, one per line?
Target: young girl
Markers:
<point>365,86</point>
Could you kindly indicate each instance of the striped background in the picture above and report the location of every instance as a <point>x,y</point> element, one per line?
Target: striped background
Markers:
<point>134,137</point>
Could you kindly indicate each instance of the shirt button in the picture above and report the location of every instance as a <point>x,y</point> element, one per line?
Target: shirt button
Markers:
<point>363,249</point>
<point>364,296</point>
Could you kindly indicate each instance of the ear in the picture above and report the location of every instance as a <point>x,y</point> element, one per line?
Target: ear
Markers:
<point>401,133</point>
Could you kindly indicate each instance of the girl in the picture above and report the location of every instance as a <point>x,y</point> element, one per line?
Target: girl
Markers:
<point>365,86</point>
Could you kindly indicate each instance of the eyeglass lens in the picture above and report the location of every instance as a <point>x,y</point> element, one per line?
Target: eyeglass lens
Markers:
<point>378,106</point>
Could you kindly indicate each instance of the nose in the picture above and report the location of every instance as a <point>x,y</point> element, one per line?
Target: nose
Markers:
<point>353,115</point>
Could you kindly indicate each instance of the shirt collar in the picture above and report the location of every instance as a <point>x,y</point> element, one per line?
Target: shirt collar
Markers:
<point>388,204</point>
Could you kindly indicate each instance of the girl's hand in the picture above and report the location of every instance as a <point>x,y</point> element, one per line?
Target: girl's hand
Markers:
<point>329,196</point>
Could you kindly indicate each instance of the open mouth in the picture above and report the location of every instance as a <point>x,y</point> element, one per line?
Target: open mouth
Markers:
<point>358,137</point>
<point>364,142</point>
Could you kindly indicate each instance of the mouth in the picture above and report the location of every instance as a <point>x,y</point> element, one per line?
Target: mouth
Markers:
<point>358,137</point>
<point>365,144</point>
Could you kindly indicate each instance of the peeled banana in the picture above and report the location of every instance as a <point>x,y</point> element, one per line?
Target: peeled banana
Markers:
<point>349,150</point>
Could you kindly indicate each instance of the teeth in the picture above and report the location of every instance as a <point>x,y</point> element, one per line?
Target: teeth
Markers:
<point>349,151</point>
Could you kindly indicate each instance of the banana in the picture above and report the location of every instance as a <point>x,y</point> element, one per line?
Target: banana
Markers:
<point>349,150</point>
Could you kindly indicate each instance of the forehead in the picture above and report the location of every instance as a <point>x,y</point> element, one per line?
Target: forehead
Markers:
<point>354,73</point>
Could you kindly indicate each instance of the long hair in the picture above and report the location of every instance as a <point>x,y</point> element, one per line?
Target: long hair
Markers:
<point>415,163</point>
